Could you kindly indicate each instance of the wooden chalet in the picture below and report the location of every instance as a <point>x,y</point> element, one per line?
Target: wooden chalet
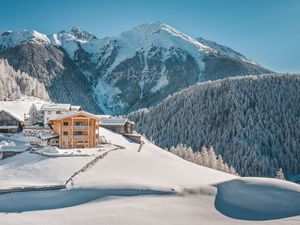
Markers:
<point>9,123</point>
<point>77,129</point>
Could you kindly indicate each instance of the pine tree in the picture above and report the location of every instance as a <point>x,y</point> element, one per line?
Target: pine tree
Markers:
<point>280,174</point>
<point>14,84</point>
<point>35,116</point>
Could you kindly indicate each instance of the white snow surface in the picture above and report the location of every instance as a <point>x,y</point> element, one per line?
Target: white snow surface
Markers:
<point>224,50</point>
<point>142,38</point>
<point>13,143</point>
<point>30,169</point>
<point>21,106</point>
<point>150,186</point>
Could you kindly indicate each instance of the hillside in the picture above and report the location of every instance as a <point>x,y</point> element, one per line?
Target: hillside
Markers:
<point>253,122</point>
<point>126,187</point>
<point>15,84</point>
<point>119,74</point>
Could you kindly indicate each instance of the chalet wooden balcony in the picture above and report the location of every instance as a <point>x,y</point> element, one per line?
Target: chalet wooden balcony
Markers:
<point>80,127</point>
<point>81,136</point>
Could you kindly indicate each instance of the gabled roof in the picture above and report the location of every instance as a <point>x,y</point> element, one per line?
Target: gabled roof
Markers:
<point>114,121</point>
<point>12,115</point>
<point>55,106</point>
<point>74,113</point>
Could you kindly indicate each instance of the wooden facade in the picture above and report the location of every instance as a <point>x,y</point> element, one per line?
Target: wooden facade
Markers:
<point>9,123</point>
<point>76,130</point>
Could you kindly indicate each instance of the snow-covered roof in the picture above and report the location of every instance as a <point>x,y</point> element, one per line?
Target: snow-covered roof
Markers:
<point>75,113</point>
<point>9,127</point>
<point>114,121</point>
<point>56,106</point>
<point>75,107</point>
<point>104,116</point>
<point>16,117</point>
<point>45,135</point>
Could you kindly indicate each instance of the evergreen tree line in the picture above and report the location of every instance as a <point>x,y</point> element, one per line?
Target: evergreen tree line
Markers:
<point>14,84</point>
<point>252,121</point>
<point>205,157</point>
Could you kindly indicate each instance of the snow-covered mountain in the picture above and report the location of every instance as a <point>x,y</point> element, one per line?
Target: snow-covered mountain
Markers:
<point>122,73</point>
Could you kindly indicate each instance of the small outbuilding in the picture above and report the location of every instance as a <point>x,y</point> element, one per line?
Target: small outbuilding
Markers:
<point>118,125</point>
<point>9,123</point>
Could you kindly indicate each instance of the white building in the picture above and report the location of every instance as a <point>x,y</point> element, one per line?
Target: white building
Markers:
<point>53,110</point>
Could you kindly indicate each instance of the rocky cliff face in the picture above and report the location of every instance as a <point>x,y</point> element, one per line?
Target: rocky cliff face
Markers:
<point>135,69</point>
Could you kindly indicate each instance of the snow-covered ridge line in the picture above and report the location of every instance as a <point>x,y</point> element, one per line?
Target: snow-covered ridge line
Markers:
<point>9,39</point>
<point>142,36</point>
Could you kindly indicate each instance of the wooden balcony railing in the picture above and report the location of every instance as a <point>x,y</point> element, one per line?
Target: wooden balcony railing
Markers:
<point>81,136</point>
<point>80,127</point>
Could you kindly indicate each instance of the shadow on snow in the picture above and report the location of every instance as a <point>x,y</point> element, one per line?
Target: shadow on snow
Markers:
<point>244,200</point>
<point>44,200</point>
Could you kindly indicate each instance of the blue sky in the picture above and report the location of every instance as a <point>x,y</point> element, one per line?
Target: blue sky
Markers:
<point>267,31</point>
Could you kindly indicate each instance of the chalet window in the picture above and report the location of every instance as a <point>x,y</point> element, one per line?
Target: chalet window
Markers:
<point>49,112</point>
<point>66,123</point>
<point>58,112</point>
<point>66,133</point>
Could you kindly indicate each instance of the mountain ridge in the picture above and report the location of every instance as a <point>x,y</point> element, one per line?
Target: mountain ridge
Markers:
<point>131,70</point>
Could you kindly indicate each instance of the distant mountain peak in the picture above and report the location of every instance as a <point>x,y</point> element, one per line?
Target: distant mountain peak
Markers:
<point>75,34</point>
<point>10,39</point>
<point>82,34</point>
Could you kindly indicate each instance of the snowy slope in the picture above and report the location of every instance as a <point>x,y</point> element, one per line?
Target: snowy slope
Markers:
<point>154,187</point>
<point>27,169</point>
<point>224,50</point>
<point>142,169</point>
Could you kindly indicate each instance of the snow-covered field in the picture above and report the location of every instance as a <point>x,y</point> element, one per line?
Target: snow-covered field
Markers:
<point>14,143</point>
<point>29,169</point>
<point>134,187</point>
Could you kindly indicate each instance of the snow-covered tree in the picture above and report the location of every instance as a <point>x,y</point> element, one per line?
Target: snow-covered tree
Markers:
<point>35,115</point>
<point>204,157</point>
<point>14,84</point>
<point>280,174</point>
